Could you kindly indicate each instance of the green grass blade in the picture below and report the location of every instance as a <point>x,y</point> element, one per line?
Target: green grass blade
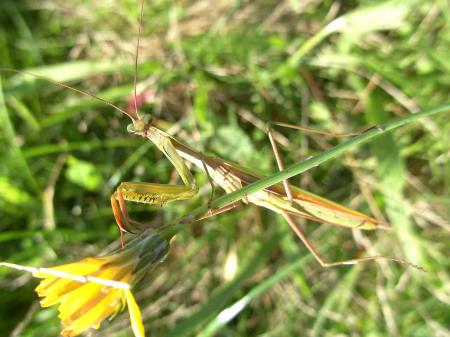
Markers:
<point>14,149</point>
<point>222,296</point>
<point>226,315</point>
<point>324,156</point>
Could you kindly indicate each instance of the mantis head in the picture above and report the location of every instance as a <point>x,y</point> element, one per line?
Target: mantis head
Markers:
<point>140,125</point>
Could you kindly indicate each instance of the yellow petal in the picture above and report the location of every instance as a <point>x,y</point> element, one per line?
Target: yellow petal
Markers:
<point>135,315</point>
<point>57,288</point>
<point>84,267</point>
<point>79,298</point>
<point>103,308</point>
<point>85,296</point>
<point>49,300</point>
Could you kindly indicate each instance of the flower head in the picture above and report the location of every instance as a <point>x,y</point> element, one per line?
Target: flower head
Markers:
<point>92,289</point>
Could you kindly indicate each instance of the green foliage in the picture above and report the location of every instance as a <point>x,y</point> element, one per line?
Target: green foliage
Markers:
<point>216,72</point>
<point>83,173</point>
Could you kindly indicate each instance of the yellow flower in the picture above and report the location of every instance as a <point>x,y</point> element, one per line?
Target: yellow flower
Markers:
<point>90,290</point>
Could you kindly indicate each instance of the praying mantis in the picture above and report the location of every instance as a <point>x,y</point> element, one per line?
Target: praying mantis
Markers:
<point>283,198</point>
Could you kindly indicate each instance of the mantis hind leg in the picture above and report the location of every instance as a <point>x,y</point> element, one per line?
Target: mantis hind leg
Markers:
<point>273,142</point>
<point>211,182</point>
<point>279,163</point>
<point>324,264</point>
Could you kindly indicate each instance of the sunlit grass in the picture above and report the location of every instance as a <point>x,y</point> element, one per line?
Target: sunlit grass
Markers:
<point>218,71</point>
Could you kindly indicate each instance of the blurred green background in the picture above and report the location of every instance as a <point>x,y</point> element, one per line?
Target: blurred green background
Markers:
<point>214,72</point>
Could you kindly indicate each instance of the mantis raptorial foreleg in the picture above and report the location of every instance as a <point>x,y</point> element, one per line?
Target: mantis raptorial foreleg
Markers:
<point>151,193</point>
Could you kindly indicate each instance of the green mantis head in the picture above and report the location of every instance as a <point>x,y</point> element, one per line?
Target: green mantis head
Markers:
<point>140,125</point>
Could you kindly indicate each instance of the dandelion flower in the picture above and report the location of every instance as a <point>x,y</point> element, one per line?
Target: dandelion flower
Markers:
<point>90,290</point>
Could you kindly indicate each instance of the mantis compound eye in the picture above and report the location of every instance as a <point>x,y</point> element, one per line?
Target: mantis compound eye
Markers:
<point>131,128</point>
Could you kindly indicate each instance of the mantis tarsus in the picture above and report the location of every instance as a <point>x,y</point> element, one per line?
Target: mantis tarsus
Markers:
<point>284,199</point>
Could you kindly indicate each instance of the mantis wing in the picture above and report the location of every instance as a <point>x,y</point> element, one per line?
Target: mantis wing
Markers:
<point>319,208</point>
